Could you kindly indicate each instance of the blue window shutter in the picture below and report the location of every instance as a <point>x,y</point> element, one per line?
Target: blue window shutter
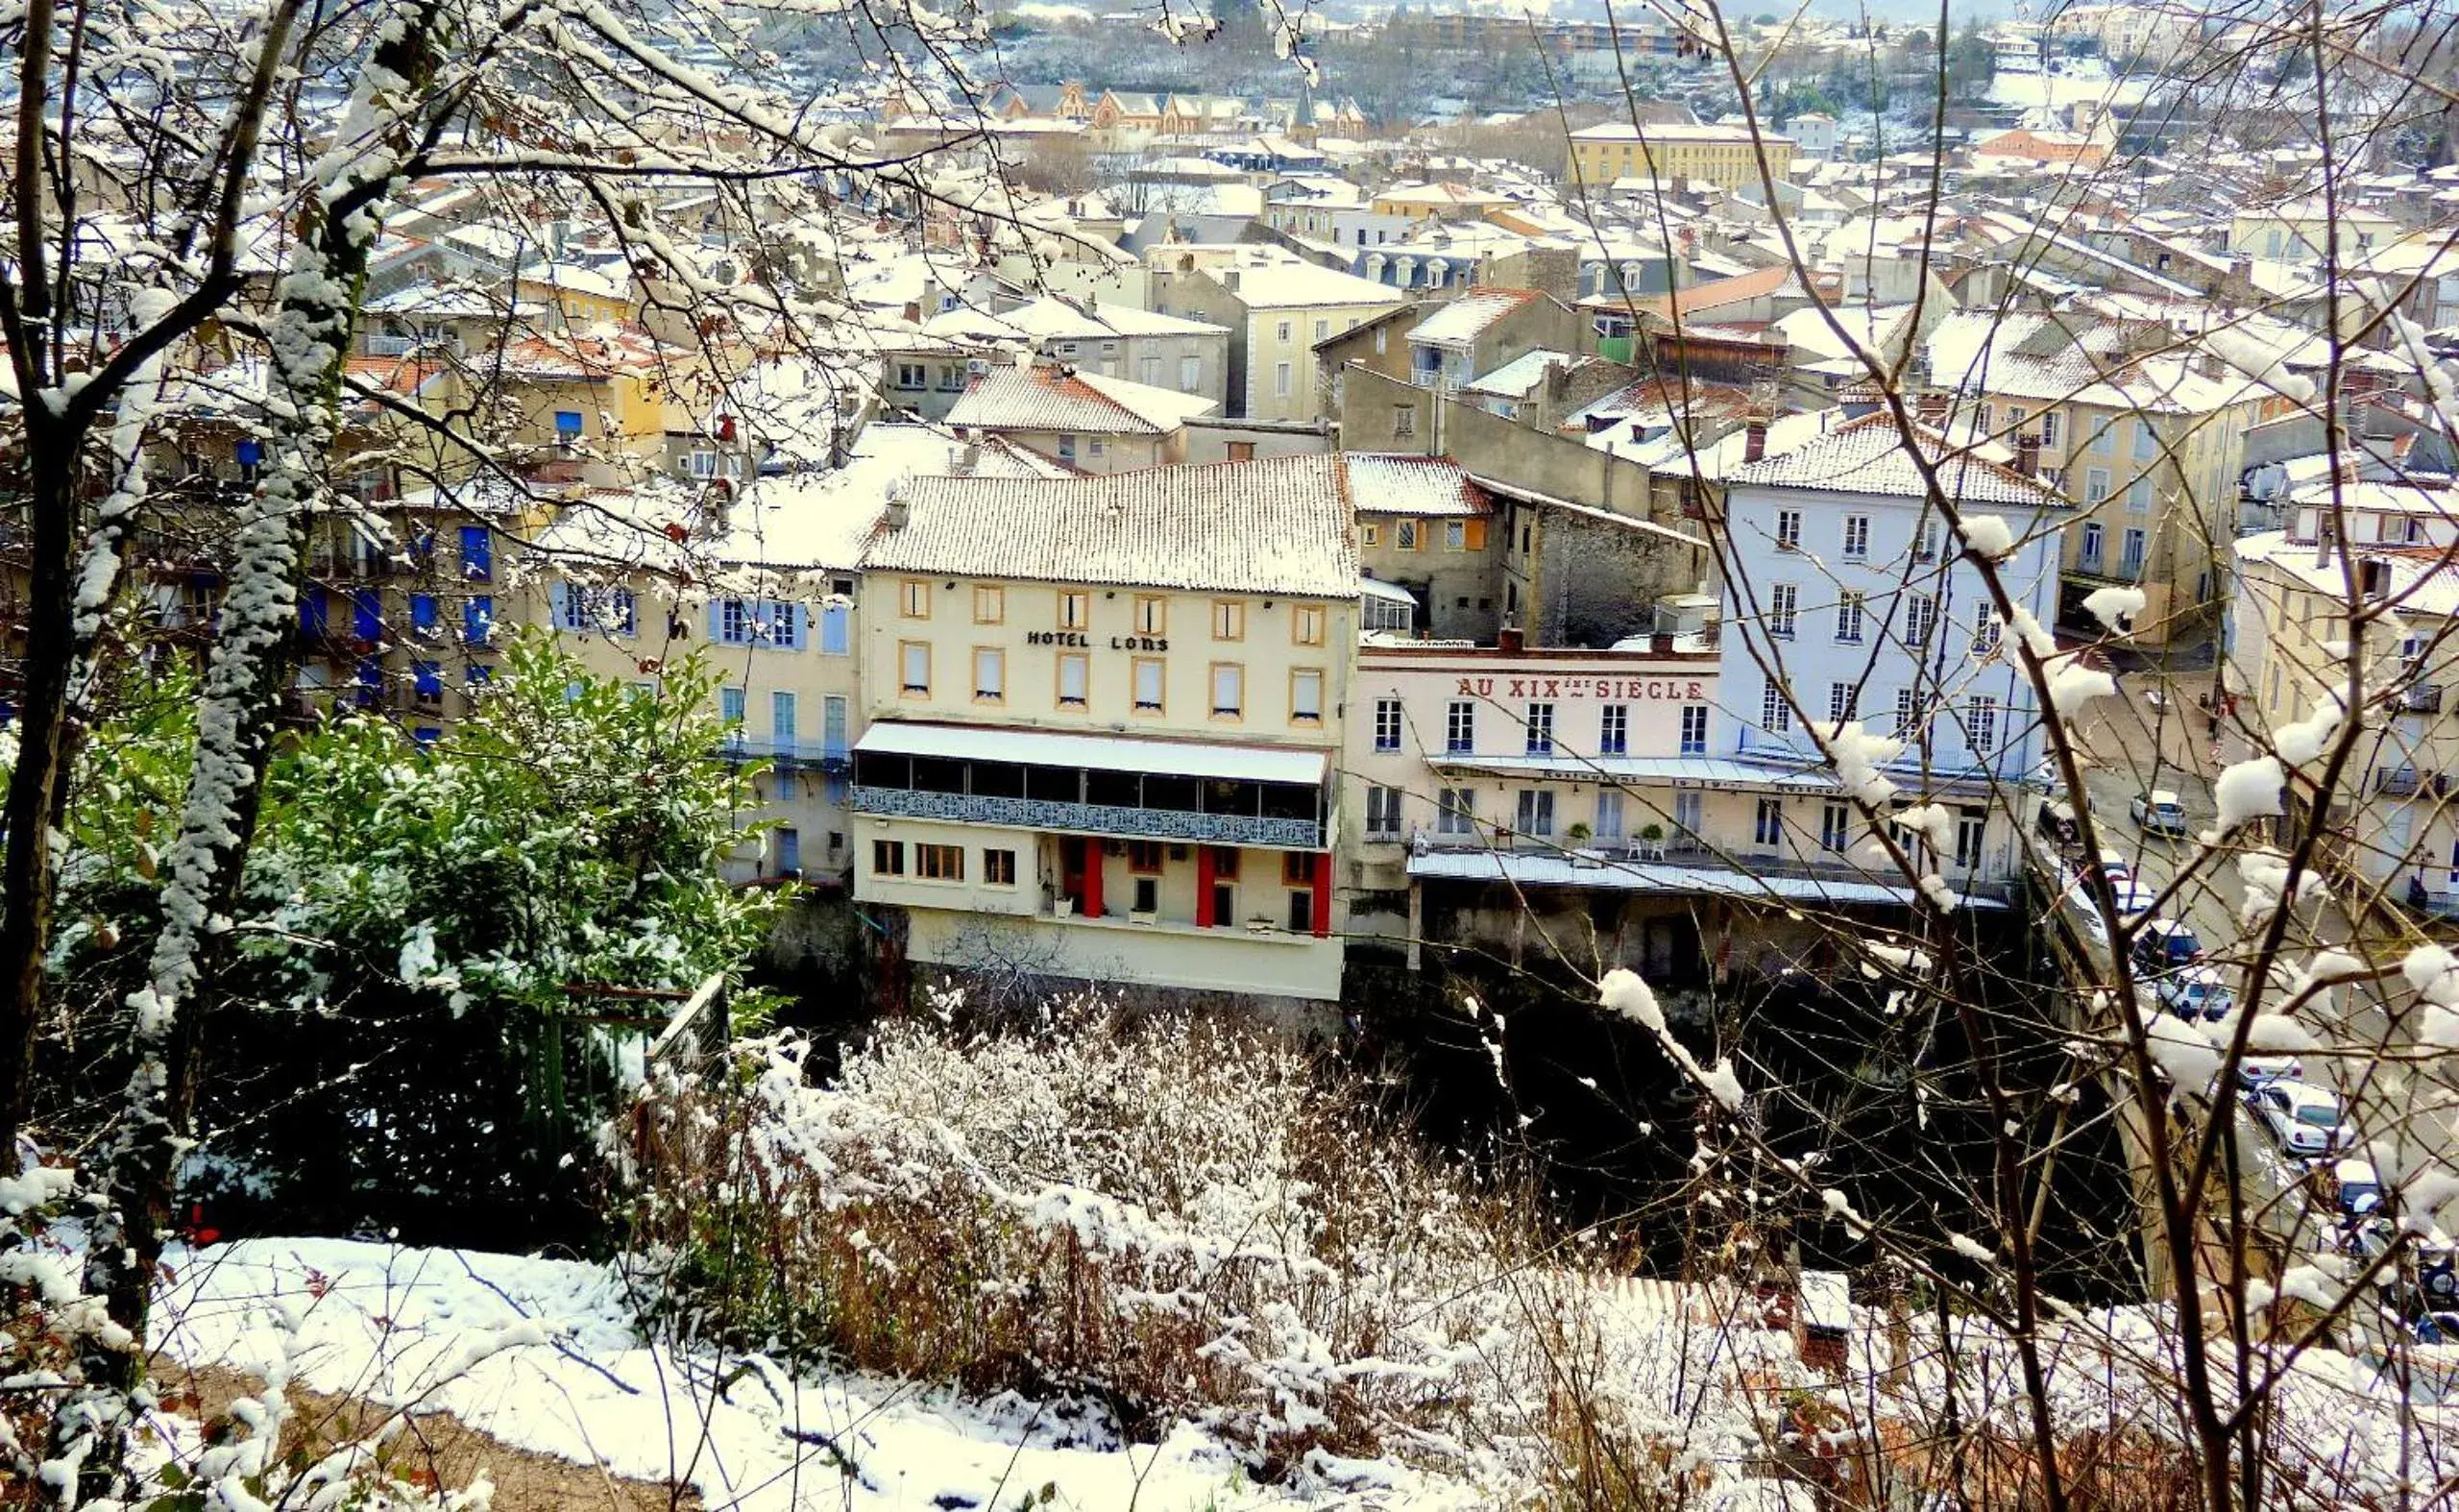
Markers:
<point>311,613</point>
<point>422,611</point>
<point>430,679</point>
<point>836,627</point>
<point>478,553</point>
<point>477,620</point>
<point>717,621</point>
<point>427,735</point>
<point>366,614</point>
<point>559,598</point>
<point>730,705</point>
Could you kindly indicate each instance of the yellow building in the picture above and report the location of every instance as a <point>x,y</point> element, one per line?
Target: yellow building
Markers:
<point>1721,155</point>
<point>1101,720</point>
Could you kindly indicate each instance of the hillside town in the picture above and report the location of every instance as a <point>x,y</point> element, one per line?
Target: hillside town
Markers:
<point>1352,757</point>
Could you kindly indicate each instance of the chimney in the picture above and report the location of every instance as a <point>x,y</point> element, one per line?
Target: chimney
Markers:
<point>912,312</point>
<point>1229,279</point>
<point>2027,454</point>
<point>1510,641</point>
<point>1754,440</point>
<point>898,512</point>
<point>2210,365</point>
<point>1931,409</point>
<point>2241,267</point>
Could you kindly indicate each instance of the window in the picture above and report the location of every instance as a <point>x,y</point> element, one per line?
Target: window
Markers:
<point>1456,812</point>
<point>478,553</point>
<point>1075,679</point>
<point>2131,559</point>
<point>1689,819</point>
<point>1783,599</point>
<point>1768,827</point>
<point>1404,418</point>
<point>914,663</point>
<point>1281,381</point>
<point>1609,813</point>
<point>1856,538</point>
<point>2147,441</point>
<point>1982,725</point>
<point>1323,328</point>
<point>1775,715</point>
<point>1229,691</point>
<point>1695,729</point>
<point>1281,332</point>
<point>908,374</point>
<point>730,701</point>
<point>2138,497</point>
<point>940,862</point>
<point>1148,370</point>
<point>426,680</point>
<point>1306,624</point>
<point>1848,619</point>
<point>887,857</point>
<point>2048,428</point>
<point>1387,724</point>
<point>733,621</point>
<point>1405,536</point>
<point>1925,542</point>
<point>1985,634</point>
<point>1541,729</point>
<point>2087,557</point>
<point>1835,827</point>
<point>989,603</point>
<point>1971,825</point>
<point>999,868</point>
<point>1075,609</point>
<point>1920,618</point>
<point>1306,695</point>
<point>1614,730</point>
<point>1228,620</point>
<point>990,674</point>
<point>1152,614</point>
<point>837,630</point>
<point>1536,812</point>
<point>914,598</point>
<point>1788,530</point>
<point>1190,374</point>
<point>2096,484</point>
<point>1903,712</point>
<point>1244,451</point>
<point>478,621</point>
<point>1987,419</point>
<point>785,713</point>
<point>1840,702</point>
<point>1144,855</point>
<point>1460,729</point>
<point>1382,811</point>
<point>1147,680</point>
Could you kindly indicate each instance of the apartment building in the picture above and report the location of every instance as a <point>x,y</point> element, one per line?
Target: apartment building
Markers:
<point>1102,720</point>
<point>2143,433</point>
<point>2288,632</point>
<point>1726,156</point>
<point>1277,309</point>
<point>1086,420</point>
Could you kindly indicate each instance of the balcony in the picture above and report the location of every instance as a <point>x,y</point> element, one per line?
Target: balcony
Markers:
<point>834,757</point>
<point>1680,863</point>
<point>1137,821</point>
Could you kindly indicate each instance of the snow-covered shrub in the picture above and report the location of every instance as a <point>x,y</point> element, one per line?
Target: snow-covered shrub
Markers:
<point>1182,1220</point>
<point>395,1043</point>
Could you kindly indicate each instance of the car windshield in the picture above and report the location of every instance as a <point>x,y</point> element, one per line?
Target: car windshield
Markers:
<point>2319,1115</point>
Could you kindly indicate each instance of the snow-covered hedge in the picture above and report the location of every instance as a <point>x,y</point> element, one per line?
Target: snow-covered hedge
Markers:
<point>1182,1220</point>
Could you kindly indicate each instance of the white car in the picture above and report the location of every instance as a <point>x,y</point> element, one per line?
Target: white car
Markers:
<point>2195,992</point>
<point>2305,1119</point>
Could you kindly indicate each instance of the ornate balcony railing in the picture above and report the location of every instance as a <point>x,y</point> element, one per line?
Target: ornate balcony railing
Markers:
<point>828,756</point>
<point>1092,819</point>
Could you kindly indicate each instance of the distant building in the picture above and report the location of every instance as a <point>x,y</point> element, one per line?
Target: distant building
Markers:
<point>1726,156</point>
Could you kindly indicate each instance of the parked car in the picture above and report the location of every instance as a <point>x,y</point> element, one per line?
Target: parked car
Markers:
<point>2162,945</point>
<point>2353,1188</point>
<point>2253,1071</point>
<point>2159,812</point>
<point>2195,992</point>
<point>2303,1119</point>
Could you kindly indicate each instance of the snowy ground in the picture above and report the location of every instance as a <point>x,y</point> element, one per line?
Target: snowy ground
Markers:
<point>542,1355</point>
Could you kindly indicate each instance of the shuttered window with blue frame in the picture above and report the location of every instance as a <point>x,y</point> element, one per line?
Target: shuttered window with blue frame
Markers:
<point>835,630</point>
<point>756,621</point>
<point>366,614</point>
<point>428,679</point>
<point>477,620</point>
<point>478,553</point>
<point>313,614</point>
<point>422,614</point>
<point>371,681</point>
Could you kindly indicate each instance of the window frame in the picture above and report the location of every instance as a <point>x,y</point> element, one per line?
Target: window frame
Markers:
<point>996,860</point>
<point>1299,677</point>
<point>1159,705</point>
<point>913,598</point>
<point>989,603</point>
<point>998,660</point>
<point>1228,620</point>
<point>1058,680</point>
<point>905,687</point>
<point>947,859</point>
<point>1235,713</point>
<point>1151,613</point>
<point>1075,609</point>
<point>1307,623</point>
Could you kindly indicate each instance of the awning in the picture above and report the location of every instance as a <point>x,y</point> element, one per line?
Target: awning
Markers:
<point>1102,752</point>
